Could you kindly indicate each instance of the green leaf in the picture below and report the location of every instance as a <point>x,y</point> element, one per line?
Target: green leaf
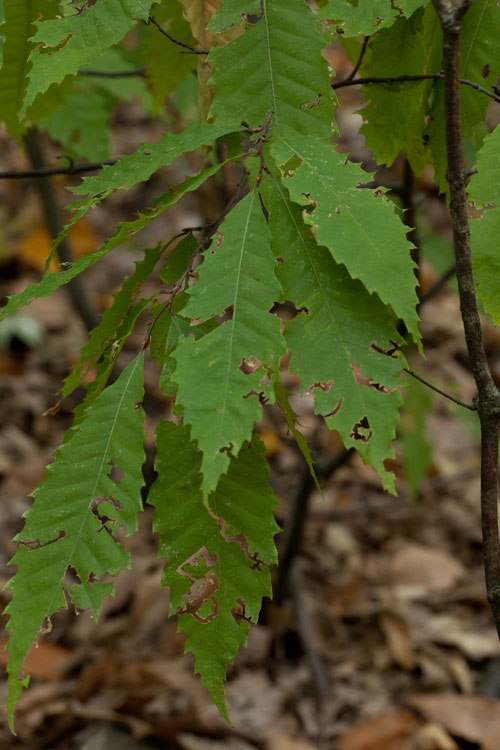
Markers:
<point>292,420</point>
<point>332,338</point>
<point>18,26</point>
<point>233,12</point>
<point>416,449</point>
<point>125,231</point>
<point>358,226</point>
<point>105,334</point>
<point>166,67</point>
<point>70,42</point>
<point>220,401</point>
<point>367,16</point>
<point>276,65</point>
<point>139,166</point>
<point>87,136</point>
<point>394,119</point>
<point>62,527</point>
<point>484,190</point>
<point>217,555</point>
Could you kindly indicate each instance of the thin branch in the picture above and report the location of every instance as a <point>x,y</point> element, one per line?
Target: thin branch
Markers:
<point>401,79</point>
<point>360,59</point>
<point>113,73</point>
<point>471,407</point>
<point>438,285</point>
<point>48,171</point>
<point>75,288</point>
<point>188,47</point>
<point>488,395</point>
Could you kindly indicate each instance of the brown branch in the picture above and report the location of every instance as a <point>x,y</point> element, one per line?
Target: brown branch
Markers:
<point>402,78</point>
<point>189,49</point>
<point>360,59</point>
<point>471,407</point>
<point>48,171</point>
<point>488,395</point>
<point>113,73</point>
<point>52,216</point>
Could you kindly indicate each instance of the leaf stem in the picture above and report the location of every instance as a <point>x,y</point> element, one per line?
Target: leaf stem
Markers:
<point>488,396</point>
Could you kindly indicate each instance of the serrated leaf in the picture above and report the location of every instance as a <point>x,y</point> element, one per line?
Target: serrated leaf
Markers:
<point>233,12</point>
<point>217,556</point>
<point>394,119</point>
<point>276,65</point>
<point>416,448</point>
<point>198,14</point>
<point>68,43</point>
<point>484,190</point>
<point>62,528</point>
<point>103,335</point>
<point>292,420</point>
<point>331,339</point>
<point>358,226</point>
<point>139,166</point>
<point>166,67</point>
<point>85,137</point>
<point>220,401</point>
<point>479,63</point>
<point>367,16</point>
<point>52,281</point>
<point>18,27</point>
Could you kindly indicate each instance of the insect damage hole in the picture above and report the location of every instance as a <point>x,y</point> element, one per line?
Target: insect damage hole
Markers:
<point>361,431</point>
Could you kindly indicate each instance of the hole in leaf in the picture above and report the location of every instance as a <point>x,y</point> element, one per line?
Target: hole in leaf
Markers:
<point>36,543</point>
<point>361,431</point>
<point>337,408</point>
<point>287,310</point>
<point>116,473</point>
<point>325,387</point>
<point>248,366</point>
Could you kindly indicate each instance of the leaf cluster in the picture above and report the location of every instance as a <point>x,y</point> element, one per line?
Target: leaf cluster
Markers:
<point>302,228</point>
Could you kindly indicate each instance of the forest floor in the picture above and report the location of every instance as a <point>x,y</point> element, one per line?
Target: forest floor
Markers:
<point>381,637</point>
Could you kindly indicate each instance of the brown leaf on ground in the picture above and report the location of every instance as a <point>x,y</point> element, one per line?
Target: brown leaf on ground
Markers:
<point>475,718</point>
<point>433,569</point>
<point>45,660</point>
<point>399,640</point>
<point>389,731</point>
<point>432,737</point>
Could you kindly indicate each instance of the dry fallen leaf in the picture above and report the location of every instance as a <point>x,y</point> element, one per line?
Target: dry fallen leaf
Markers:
<point>475,718</point>
<point>398,636</point>
<point>389,731</point>
<point>433,569</point>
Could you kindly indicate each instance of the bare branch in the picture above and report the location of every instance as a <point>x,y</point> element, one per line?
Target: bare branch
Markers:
<point>488,396</point>
<point>48,171</point>
<point>402,78</point>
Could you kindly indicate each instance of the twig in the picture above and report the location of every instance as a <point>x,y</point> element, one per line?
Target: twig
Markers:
<point>76,290</point>
<point>113,73</point>
<point>188,47</point>
<point>295,526</point>
<point>308,637</point>
<point>360,59</point>
<point>438,285</point>
<point>471,407</point>
<point>488,395</point>
<point>48,171</point>
<point>401,79</point>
